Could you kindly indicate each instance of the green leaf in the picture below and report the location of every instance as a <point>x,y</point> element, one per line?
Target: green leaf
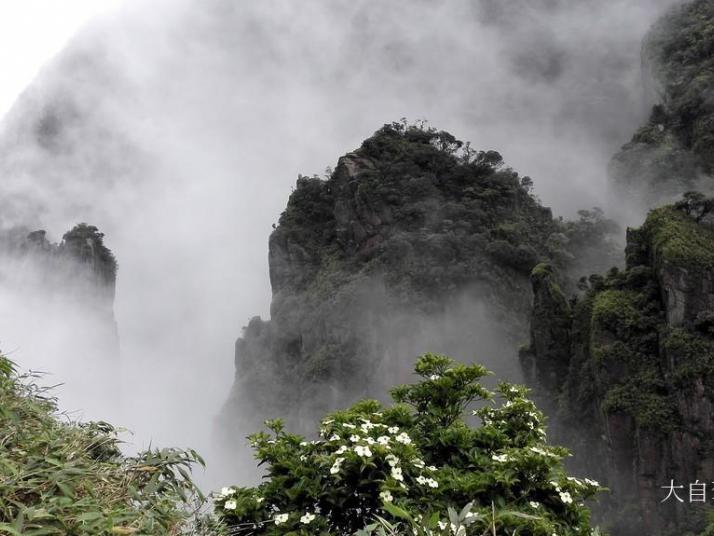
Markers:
<point>89,516</point>
<point>397,512</point>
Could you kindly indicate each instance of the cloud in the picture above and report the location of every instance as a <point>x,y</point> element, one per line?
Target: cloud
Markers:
<point>179,127</point>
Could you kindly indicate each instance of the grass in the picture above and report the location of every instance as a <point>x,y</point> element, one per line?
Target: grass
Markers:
<point>67,478</point>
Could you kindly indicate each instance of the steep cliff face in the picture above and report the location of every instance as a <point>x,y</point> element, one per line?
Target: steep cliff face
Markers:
<point>414,243</point>
<point>80,264</point>
<point>65,291</point>
<point>673,151</point>
<point>632,364</point>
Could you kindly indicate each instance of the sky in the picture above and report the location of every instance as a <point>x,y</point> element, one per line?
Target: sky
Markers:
<point>32,32</point>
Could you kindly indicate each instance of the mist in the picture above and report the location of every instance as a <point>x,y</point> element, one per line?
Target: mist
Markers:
<point>179,127</point>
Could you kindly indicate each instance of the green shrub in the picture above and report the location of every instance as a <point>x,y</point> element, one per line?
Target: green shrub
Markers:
<point>71,479</point>
<point>416,467</point>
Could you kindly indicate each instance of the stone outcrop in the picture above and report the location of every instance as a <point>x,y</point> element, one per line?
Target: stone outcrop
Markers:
<point>414,243</point>
<point>79,272</point>
<point>80,262</point>
<point>550,322</point>
<point>635,391</point>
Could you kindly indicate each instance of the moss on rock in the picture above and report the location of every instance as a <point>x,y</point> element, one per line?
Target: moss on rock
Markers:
<point>678,239</point>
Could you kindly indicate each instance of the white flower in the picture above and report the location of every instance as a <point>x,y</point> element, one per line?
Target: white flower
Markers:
<point>427,481</point>
<point>418,463</point>
<point>397,473</point>
<point>393,429</point>
<point>341,450</point>
<point>434,377</point>
<point>392,460</point>
<point>565,497</point>
<point>227,491</point>
<point>500,458</point>
<point>367,426</point>
<point>304,443</point>
<point>354,438</point>
<point>386,496</point>
<point>404,438</point>
<point>334,437</point>
<point>592,482</point>
<point>336,466</point>
<point>369,441</point>
<point>431,468</point>
<point>259,500</point>
<point>555,485</point>
<point>230,505</point>
<point>307,518</point>
<point>383,440</point>
<point>534,504</point>
<point>442,525</point>
<point>280,518</point>
<point>365,452</point>
<point>348,425</point>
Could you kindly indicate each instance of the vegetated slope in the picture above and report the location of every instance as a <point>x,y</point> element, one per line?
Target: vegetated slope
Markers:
<point>631,362</point>
<point>674,151</point>
<point>414,243</point>
<point>60,477</point>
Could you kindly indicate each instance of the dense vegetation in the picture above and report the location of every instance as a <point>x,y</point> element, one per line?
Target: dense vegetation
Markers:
<point>631,362</point>
<point>416,467</point>
<point>682,47</point>
<point>65,478</point>
<point>674,150</point>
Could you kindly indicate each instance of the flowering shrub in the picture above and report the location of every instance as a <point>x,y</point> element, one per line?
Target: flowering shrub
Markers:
<point>416,467</point>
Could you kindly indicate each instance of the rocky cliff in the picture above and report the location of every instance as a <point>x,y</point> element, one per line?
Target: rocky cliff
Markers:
<point>673,151</point>
<point>415,242</point>
<point>80,260</point>
<point>67,288</point>
<point>631,363</point>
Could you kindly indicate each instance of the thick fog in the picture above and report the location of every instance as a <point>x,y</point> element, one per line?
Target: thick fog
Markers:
<point>179,127</point>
